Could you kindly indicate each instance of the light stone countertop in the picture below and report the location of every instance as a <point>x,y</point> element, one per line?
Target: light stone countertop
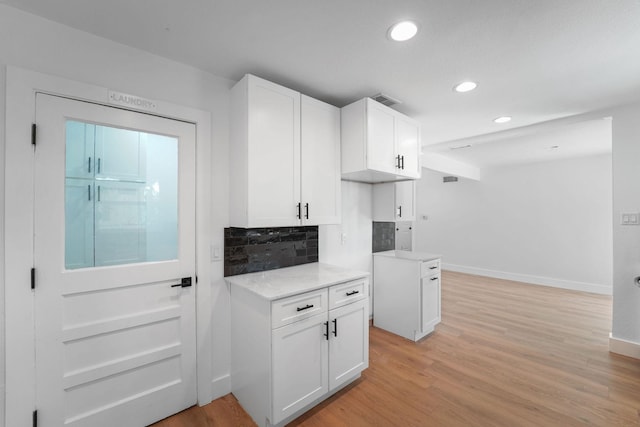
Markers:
<point>409,255</point>
<point>284,282</point>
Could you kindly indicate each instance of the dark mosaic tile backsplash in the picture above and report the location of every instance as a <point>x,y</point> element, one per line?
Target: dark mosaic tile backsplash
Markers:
<point>384,236</point>
<point>247,250</point>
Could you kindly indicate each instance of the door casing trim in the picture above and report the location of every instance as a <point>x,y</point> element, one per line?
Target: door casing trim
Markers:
<point>22,86</point>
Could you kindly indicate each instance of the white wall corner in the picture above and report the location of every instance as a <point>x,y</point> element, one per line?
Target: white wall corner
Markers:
<point>624,347</point>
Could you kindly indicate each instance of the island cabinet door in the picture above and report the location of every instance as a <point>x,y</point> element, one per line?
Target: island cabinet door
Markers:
<point>348,342</point>
<point>300,364</point>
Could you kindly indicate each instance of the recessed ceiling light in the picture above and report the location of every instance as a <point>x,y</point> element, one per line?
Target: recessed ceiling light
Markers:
<point>465,86</point>
<point>403,31</point>
<point>503,119</point>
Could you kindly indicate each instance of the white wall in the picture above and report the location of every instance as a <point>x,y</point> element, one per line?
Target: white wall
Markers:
<point>626,239</point>
<point>2,302</point>
<point>355,252</point>
<point>546,223</point>
<point>31,42</point>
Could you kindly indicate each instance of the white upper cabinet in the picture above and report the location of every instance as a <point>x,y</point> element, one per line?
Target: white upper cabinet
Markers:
<point>120,154</point>
<point>284,160</point>
<point>394,201</point>
<point>264,167</point>
<point>407,133</point>
<point>379,144</point>
<point>320,168</point>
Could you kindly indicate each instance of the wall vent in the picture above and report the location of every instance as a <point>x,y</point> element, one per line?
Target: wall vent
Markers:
<point>449,179</point>
<point>386,99</point>
<point>460,147</point>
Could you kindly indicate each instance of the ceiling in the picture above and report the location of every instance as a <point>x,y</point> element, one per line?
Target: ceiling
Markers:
<point>588,137</point>
<point>534,60</point>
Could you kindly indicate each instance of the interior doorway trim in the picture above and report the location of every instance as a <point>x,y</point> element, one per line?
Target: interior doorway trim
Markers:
<point>22,85</point>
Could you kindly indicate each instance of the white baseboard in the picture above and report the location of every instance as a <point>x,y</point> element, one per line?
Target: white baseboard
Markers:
<point>221,386</point>
<point>536,280</point>
<point>624,347</point>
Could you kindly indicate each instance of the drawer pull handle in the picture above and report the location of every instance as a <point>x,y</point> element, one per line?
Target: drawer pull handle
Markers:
<point>433,268</point>
<point>326,330</point>
<point>352,293</point>
<point>308,306</point>
<point>335,327</point>
<point>434,278</point>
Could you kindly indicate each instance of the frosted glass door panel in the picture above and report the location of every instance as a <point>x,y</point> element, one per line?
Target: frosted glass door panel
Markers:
<point>120,222</point>
<point>80,159</point>
<point>161,195</point>
<point>120,154</point>
<point>125,208</point>
<point>79,223</point>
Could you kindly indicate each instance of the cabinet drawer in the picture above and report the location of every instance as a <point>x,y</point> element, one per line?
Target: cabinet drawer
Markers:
<point>430,268</point>
<point>298,307</point>
<point>348,292</point>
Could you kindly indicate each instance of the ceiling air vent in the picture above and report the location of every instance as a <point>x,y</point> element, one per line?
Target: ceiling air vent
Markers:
<point>386,99</point>
<point>449,179</point>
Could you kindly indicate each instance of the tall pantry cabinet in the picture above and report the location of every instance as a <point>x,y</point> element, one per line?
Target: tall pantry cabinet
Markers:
<point>284,157</point>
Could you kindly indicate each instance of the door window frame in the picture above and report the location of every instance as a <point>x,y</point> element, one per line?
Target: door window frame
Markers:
<point>22,86</point>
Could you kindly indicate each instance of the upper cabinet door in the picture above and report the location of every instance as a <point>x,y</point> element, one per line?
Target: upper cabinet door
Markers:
<point>120,154</point>
<point>269,155</point>
<point>381,154</point>
<point>408,146</point>
<point>405,206</point>
<point>320,166</point>
<point>274,153</point>
<point>80,158</point>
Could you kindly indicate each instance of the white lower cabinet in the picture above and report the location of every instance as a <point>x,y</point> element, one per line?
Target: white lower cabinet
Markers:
<point>348,342</point>
<point>288,354</point>
<point>317,355</point>
<point>300,365</point>
<point>406,293</point>
<point>430,291</point>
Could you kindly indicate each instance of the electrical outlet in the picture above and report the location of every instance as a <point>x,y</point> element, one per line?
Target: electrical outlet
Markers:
<point>630,218</point>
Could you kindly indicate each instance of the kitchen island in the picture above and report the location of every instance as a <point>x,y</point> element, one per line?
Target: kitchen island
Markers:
<point>298,335</point>
<point>406,292</point>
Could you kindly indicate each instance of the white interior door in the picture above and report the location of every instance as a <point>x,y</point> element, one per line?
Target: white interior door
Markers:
<point>115,338</point>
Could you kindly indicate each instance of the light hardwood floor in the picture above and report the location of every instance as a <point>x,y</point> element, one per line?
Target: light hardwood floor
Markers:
<point>505,354</point>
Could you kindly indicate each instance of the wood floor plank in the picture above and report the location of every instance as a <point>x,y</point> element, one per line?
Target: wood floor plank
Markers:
<point>505,354</point>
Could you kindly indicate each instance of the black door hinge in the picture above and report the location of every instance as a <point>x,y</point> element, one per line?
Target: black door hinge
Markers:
<point>33,278</point>
<point>33,134</point>
<point>34,418</point>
